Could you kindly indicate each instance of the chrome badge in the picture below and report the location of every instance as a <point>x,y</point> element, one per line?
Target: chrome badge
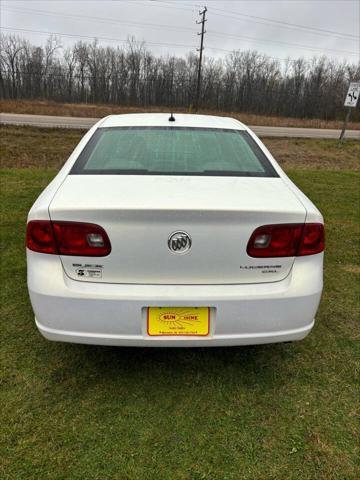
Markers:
<point>179,242</point>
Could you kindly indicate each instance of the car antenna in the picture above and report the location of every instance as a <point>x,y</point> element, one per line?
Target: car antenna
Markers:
<point>171,118</point>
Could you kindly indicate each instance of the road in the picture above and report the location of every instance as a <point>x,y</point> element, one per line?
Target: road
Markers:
<point>78,122</point>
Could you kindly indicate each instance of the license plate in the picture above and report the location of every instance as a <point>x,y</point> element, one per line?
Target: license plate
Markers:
<point>178,321</point>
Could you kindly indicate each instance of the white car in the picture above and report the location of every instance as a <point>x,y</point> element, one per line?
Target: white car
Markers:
<point>173,231</point>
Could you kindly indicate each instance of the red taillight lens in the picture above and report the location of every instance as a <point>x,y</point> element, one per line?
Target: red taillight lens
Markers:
<point>81,239</point>
<point>282,241</point>
<point>68,238</point>
<point>40,237</point>
<point>313,239</point>
<point>286,240</point>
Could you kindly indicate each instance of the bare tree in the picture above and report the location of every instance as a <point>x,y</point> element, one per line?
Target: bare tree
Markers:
<point>242,81</point>
<point>11,46</point>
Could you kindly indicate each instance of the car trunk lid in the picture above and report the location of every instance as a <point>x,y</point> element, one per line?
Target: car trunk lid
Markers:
<point>140,212</point>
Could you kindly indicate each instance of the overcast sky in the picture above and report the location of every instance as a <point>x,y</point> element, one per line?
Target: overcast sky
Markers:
<point>274,27</point>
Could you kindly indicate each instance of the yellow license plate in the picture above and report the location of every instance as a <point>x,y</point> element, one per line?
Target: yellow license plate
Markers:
<point>190,321</point>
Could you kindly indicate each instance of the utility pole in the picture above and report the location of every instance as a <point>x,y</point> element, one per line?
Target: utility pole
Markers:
<point>203,31</point>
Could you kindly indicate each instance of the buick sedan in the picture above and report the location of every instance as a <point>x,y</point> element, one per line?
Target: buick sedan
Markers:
<point>177,230</point>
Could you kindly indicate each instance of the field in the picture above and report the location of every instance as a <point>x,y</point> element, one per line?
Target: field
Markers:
<point>48,148</point>
<point>285,411</point>
<point>36,107</point>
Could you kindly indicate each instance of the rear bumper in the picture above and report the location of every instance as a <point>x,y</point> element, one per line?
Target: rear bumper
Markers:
<point>110,314</point>
<point>141,341</point>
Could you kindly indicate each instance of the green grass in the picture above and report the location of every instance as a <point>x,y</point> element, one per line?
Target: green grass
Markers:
<point>285,411</point>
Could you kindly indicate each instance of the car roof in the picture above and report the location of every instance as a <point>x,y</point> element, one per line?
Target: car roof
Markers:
<point>162,120</point>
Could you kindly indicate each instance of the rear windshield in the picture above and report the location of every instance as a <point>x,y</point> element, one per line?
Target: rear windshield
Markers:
<point>172,151</point>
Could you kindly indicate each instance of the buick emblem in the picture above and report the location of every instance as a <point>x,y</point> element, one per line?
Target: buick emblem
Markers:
<point>179,242</point>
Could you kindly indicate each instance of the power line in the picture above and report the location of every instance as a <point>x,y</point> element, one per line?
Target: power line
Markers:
<point>270,20</point>
<point>250,39</point>
<point>142,24</point>
<point>157,26</point>
<point>294,45</point>
<point>98,19</point>
<point>292,25</point>
<point>119,40</point>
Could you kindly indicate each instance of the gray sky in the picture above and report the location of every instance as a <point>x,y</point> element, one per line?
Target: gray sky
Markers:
<point>263,25</point>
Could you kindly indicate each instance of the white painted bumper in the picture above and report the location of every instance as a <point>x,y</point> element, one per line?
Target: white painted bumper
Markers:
<point>110,314</point>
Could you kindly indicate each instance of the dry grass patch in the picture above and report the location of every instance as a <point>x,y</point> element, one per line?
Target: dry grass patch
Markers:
<point>27,147</point>
<point>352,269</point>
<point>315,154</point>
<point>36,107</point>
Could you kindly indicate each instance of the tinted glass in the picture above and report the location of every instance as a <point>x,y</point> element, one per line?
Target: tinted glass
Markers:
<point>172,151</point>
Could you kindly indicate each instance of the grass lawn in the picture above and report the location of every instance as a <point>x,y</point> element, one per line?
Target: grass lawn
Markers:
<point>284,411</point>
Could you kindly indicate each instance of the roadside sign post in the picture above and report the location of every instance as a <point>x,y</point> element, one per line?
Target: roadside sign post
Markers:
<point>351,100</point>
<point>345,123</point>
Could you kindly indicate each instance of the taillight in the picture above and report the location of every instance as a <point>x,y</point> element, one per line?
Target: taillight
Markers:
<point>40,237</point>
<point>313,239</point>
<point>67,238</point>
<point>286,240</point>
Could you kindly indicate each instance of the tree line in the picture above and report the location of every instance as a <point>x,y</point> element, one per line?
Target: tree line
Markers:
<point>246,81</point>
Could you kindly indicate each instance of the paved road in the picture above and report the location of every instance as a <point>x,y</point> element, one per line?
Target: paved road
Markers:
<point>78,122</point>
